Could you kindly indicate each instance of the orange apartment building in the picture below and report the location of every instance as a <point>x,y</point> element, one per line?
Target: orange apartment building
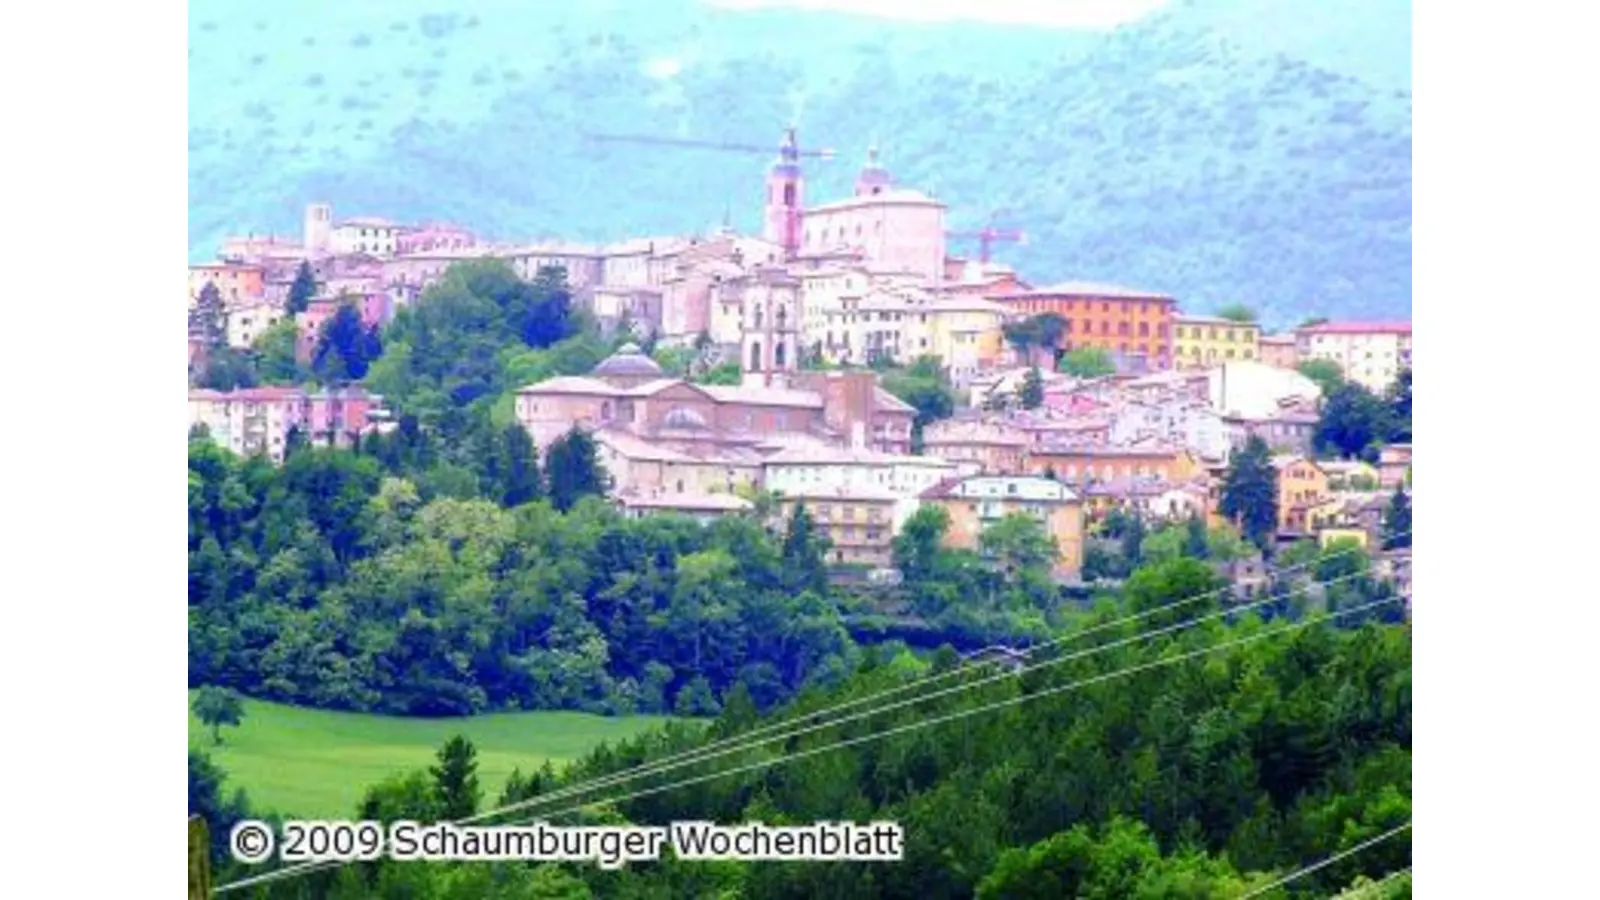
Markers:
<point>1134,326</point>
<point>976,502</point>
<point>1076,465</point>
<point>238,284</point>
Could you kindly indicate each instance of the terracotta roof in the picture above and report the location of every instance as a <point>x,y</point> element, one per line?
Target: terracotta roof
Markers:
<point>764,396</point>
<point>1092,290</point>
<point>571,384</point>
<point>1357,328</point>
<point>694,502</point>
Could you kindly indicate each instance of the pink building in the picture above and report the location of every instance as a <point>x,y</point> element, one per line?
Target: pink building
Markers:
<point>437,236</point>
<point>259,420</point>
<point>629,392</point>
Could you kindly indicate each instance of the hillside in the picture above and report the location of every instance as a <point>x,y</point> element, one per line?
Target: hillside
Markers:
<point>1221,150</point>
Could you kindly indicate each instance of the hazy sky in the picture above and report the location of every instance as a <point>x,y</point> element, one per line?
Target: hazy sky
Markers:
<point>1060,13</point>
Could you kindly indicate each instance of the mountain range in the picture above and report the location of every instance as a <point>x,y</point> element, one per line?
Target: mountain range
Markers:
<point>1222,151</point>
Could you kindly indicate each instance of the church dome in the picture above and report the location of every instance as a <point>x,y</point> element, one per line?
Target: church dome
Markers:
<point>628,361</point>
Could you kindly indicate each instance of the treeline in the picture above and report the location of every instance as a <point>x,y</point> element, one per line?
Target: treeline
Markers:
<point>1195,778</point>
<point>330,581</point>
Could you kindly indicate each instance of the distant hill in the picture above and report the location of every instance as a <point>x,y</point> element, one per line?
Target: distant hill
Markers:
<point>1221,150</point>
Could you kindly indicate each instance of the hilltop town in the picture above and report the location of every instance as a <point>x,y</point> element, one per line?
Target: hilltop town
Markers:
<point>1074,403</point>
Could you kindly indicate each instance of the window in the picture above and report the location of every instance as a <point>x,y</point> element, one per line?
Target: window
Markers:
<point>1144,329</point>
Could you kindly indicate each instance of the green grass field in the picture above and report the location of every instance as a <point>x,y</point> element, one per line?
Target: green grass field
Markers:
<point>317,763</point>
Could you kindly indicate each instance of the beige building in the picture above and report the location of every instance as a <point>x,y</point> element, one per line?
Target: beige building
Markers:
<point>1371,354</point>
<point>976,502</point>
<point>859,521</point>
<point>246,323</point>
<point>640,468</point>
<point>802,470</point>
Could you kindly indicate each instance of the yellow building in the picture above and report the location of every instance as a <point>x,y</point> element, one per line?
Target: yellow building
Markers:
<point>965,332</point>
<point>1303,496</point>
<point>975,503</point>
<point>1205,341</point>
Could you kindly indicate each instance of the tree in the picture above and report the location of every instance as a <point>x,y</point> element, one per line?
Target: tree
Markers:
<point>227,369</point>
<point>208,321</point>
<point>1237,312</point>
<point>301,291</point>
<point>726,373</point>
<point>511,467</point>
<point>275,351</point>
<point>1087,362</point>
<point>455,779</point>
<point>345,347</point>
<point>916,548</point>
<point>1399,399</point>
<point>1019,544</point>
<point>1038,331</point>
<point>1250,492</point>
<point>1032,389</point>
<point>573,469</point>
<point>218,706</point>
<point>1352,422</point>
<point>926,389</point>
<point>1324,372</point>
<point>1197,542</point>
<point>1397,521</point>
<point>803,552</point>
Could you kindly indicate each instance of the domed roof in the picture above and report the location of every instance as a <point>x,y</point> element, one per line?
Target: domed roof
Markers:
<point>628,360</point>
<point>683,417</point>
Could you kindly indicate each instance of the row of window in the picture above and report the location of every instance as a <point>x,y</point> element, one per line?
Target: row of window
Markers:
<point>1195,332</point>
<point>1142,307</point>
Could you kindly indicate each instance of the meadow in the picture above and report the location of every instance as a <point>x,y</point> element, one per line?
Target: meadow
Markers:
<point>310,763</point>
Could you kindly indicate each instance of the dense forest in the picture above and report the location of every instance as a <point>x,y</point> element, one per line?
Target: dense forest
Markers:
<point>1197,151</point>
<point>1202,763</point>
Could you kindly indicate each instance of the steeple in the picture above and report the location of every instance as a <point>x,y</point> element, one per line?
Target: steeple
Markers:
<point>785,197</point>
<point>874,178</point>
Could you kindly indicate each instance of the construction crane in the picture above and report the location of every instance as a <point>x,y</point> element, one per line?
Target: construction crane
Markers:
<point>789,154</point>
<point>987,236</point>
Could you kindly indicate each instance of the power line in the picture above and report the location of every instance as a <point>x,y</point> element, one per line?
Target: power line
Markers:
<point>1301,873</point>
<point>705,751</point>
<point>307,868</point>
<point>746,740</point>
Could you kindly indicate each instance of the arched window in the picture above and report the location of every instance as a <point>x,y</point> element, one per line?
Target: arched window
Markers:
<point>755,356</point>
<point>778,355</point>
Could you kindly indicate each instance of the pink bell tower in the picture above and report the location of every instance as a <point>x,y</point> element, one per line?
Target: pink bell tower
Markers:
<point>785,197</point>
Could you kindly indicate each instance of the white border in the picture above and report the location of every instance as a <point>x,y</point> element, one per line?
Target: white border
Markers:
<point>92,649</point>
